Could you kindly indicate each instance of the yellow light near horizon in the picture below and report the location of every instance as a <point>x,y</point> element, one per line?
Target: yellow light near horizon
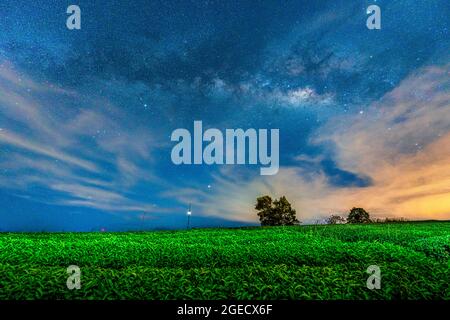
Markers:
<point>433,206</point>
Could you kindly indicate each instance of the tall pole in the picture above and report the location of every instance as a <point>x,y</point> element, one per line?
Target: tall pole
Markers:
<point>189,217</point>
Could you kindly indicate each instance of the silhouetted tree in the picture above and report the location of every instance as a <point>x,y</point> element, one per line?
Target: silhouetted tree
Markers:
<point>276,213</point>
<point>358,215</point>
<point>335,219</point>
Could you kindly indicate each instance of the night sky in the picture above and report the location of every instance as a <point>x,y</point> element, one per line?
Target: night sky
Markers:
<point>86,115</point>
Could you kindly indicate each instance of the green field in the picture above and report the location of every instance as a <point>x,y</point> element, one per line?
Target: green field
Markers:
<point>304,262</point>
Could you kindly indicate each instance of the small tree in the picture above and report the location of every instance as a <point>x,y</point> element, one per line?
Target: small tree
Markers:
<point>276,213</point>
<point>335,219</point>
<point>358,215</point>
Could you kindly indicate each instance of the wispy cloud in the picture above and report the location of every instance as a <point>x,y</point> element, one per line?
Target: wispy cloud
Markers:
<point>21,143</point>
<point>90,159</point>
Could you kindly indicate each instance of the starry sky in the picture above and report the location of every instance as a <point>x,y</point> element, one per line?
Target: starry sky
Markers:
<point>86,115</point>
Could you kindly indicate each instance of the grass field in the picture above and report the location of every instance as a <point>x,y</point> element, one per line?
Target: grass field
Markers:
<point>305,262</point>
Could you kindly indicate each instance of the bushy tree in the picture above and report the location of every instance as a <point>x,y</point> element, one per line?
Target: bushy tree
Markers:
<point>358,215</point>
<point>275,213</point>
<point>335,219</point>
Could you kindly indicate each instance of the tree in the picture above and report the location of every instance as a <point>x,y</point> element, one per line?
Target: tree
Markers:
<point>275,213</point>
<point>285,212</point>
<point>335,219</point>
<point>358,215</point>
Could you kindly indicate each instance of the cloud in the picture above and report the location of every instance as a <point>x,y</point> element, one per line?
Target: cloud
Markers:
<point>404,148</point>
<point>408,118</point>
<point>86,155</point>
<point>402,142</point>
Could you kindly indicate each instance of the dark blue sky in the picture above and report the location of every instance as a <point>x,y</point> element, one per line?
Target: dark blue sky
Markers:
<point>86,115</point>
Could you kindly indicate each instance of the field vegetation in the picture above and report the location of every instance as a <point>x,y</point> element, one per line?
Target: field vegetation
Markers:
<point>294,262</point>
